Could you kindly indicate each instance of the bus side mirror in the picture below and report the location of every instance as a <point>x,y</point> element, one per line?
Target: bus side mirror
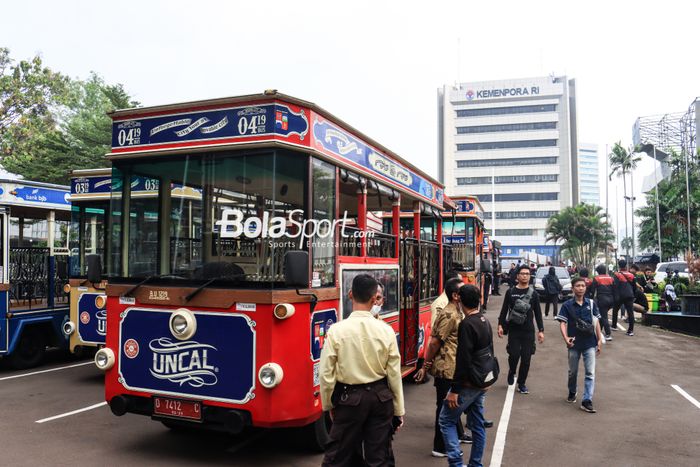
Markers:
<point>94,268</point>
<point>296,269</point>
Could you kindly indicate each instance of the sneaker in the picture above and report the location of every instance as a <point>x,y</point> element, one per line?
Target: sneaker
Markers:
<point>608,338</point>
<point>488,423</point>
<point>630,333</point>
<point>614,328</point>
<point>572,398</point>
<point>587,406</point>
<point>511,379</point>
<point>522,389</point>
<point>443,454</point>
<point>465,439</point>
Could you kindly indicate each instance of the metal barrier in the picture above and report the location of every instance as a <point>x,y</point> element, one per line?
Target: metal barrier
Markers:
<point>37,278</point>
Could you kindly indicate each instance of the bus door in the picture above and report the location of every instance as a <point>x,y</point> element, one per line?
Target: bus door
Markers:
<point>410,303</point>
<point>4,285</point>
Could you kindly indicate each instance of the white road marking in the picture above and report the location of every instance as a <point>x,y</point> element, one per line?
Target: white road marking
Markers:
<point>619,326</point>
<point>500,443</point>
<point>686,395</point>
<point>68,414</point>
<point>48,371</point>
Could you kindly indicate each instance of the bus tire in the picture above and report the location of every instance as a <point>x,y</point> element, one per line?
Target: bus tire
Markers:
<point>30,349</point>
<point>317,434</point>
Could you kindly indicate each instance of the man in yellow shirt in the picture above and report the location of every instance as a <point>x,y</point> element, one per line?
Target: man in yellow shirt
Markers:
<point>361,382</point>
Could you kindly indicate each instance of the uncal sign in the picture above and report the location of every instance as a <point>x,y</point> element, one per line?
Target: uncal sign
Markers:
<point>216,363</point>
<point>92,319</point>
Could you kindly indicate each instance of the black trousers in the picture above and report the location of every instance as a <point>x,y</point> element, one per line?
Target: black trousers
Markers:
<point>362,416</point>
<point>496,284</point>
<point>628,303</point>
<point>604,306</point>
<point>554,300</point>
<point>487,289</point>
<point>520,347</point>
<point>442,387</point>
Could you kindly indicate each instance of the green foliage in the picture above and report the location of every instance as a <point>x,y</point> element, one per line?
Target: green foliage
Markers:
<point>583,232</point>
<point>673,209</point>
<point>51,124</point>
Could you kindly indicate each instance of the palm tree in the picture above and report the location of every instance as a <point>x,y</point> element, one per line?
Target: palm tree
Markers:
<point>582,231</point>
<point>623,162</point>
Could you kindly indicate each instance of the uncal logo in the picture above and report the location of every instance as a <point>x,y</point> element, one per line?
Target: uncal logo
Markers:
<point>183,362</point>
<point>470,95</point>
<point>101,322</point>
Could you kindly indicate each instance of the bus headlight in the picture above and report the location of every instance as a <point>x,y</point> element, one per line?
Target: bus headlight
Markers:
<point>104,359</point>
<point>284,310</point>
<point>68,328</point>
<point>183,324</point>
<point>270,375</point>
<point>66,288</point>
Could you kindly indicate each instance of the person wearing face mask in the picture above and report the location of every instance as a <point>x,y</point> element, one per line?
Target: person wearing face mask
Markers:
<point>378,301</point>
<point>440,358</point>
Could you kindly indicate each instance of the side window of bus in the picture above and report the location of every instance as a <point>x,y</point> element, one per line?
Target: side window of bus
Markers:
<point>323,207</point>
<point>387,278</point>
<point>348,197</point>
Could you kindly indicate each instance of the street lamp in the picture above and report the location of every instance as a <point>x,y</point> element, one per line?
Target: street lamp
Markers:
<point>647,148</point>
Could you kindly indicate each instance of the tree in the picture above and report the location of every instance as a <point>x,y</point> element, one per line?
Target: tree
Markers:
<point>31,97</point>
<point>622,163</point>
<point>79,136</point>
<point>673,209</point>
<point>626,244</point>
<point>582,230</point>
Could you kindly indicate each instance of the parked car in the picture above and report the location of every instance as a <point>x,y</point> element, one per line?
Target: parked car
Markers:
<point>564,279</point>
<point>661,268</point>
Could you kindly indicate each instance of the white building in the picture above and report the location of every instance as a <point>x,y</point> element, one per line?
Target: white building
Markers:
<point>516,139</point>
<point>588,173</point>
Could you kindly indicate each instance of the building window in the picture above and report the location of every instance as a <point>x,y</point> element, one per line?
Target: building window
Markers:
<point>521,214</point>
<point>523,109</point>
<point>508,179</point>
<point>520,197</point>
<point>533,143</point>
<point>515,232</point>
<point>507,127</point>
<point>508,162</point>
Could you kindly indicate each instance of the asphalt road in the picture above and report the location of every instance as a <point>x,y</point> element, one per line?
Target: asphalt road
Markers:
<point>641,421</point>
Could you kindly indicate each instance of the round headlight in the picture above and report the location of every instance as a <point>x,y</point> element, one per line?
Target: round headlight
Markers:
<point>104,359</point>
<point>270,375</point>
<point>68,328</point>
<point>183,324</point>
<point>284,310</point>
<point>66,288</point>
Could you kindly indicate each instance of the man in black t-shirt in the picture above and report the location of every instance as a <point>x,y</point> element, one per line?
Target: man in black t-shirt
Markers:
<point>521,337</point>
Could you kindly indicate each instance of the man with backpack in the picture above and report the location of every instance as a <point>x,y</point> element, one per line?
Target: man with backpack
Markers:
<point>476,369</point>
<point>520,305</point>
<point>624,285</point>
<point>552,287</point>
<point>581,332</point>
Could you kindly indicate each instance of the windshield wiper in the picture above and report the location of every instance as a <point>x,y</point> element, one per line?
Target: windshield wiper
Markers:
<point>194,293</point>
<point>129,292</point>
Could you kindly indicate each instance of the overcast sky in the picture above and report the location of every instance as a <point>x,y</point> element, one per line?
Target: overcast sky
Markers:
<point>377,65</point>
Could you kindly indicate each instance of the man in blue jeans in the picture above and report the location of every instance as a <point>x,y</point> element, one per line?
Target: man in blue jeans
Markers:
<point>474,334</point>
<point>582,339</point>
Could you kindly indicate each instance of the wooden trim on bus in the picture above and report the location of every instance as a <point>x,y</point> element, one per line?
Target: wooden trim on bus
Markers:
<point>4,287</point>
<point>219,298</point>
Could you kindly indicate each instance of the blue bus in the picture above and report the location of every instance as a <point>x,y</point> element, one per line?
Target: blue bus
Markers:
<point>34,226</point>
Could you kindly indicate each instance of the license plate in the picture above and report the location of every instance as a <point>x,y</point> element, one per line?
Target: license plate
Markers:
<point>177,408</point>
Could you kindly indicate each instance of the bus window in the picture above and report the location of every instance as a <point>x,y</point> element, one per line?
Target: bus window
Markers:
<point>323,205</point>
<point>348,196</point>
<point>143,226</point>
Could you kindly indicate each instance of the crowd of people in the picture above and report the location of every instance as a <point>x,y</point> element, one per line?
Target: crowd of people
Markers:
<point>360,370</point>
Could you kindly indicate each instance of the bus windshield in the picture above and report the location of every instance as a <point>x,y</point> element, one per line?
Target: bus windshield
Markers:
<point>225,216</point>
<point>88,227</point>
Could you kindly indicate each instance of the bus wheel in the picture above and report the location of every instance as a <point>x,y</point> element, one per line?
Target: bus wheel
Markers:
<point>30,349</point>
<point>317,434</point>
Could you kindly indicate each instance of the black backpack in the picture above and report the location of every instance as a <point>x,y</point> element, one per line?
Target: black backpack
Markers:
<point>484,370</point>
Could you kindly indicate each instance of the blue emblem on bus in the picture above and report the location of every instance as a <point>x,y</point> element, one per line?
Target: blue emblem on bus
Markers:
<point>92,320</point>
<point>216,363</point>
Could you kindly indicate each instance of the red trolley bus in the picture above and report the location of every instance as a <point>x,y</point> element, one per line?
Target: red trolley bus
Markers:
<point>222,287</point>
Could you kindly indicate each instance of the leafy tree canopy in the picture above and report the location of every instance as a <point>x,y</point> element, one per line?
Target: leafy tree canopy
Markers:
<point>50,124</point>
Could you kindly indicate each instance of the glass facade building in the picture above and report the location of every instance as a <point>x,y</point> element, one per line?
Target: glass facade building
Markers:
<point>513,141</point>
<point>588,183</point>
